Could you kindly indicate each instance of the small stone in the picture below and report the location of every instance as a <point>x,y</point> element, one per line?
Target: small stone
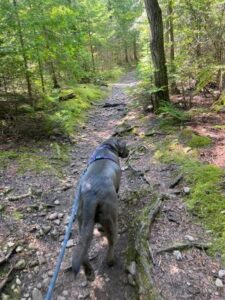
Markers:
<point>219,283</point>
<point>39,285</point>
<point>21,264</point>
<point>177,254</point>
<point>186,190</point>
<point>45,282</point>
<point>57,222</point>
<point>36,269</point>
<point>50,273</point>
<point>10,244</point>
<point>56,202</point>
<point>70,244</point>
<point>60,215</point>
<point>132,268</point>
<point>33,263</point>
<point>61,298</point>
<point>84,284</point>
<point>131,280</point>
<point>36,294</point>
<point>19,249</point>
<point>66,220</point>
<point>18,282</point>
<point>216,294</point>
<point>5,297</point>
<point>188,283</point>
<point>61,238</point>
<point>221,273</point>
<point>26,295</point>
<point>84,295</point>
<point>46,229</point>
<point>53,216</point>
<point>189,238</point>
<point>65,293</point>
<point>41,260</point>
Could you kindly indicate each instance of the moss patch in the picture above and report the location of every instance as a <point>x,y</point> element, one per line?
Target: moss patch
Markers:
<point>36,160</point>
<point>193,140</point>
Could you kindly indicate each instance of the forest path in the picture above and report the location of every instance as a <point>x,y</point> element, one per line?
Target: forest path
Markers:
<point>185,274</point>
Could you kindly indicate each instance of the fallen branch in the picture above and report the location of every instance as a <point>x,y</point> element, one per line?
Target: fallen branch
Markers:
<point>7,279</point>
<point>182,246</point>
<point>16,198</point>
<point>67,97</point>
<point>6,258</point>
<point>107,104</point>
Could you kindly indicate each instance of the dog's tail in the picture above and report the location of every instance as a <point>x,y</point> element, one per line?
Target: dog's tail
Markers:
<point>80,253</point>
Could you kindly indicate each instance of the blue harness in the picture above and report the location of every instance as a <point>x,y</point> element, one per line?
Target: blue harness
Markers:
<point>95,156</point>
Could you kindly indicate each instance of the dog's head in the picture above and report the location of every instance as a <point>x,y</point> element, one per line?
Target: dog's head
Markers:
<point>119,146</point>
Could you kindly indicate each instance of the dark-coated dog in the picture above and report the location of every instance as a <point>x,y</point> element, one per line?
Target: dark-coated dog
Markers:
<point>98,202</point>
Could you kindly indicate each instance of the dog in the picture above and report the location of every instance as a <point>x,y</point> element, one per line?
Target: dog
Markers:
<point>98,202</point>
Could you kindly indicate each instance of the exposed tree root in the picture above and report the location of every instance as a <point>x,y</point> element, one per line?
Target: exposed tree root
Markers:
<point>186,245</point>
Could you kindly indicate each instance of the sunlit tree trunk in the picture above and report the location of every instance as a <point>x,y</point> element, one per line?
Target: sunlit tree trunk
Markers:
<point>154,14</point>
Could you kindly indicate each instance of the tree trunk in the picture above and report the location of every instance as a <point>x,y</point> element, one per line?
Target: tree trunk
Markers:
<point>154,14</point>
<point>24,54</point>
<point>126,54</point>
<point>135,49</point>
<point>173,86</point>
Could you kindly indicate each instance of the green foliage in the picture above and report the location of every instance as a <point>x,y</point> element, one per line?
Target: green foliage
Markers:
<point>206,200</point>
<point>193,140</point>
<point>37,161</point>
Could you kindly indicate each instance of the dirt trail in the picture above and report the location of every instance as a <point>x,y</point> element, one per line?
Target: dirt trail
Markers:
<point>189,274</point>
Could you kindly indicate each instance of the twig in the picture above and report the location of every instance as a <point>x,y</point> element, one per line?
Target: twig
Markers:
<point>6,280</point>
<point>11,251</point>
<point>182,246</point>
<point>16,198</point>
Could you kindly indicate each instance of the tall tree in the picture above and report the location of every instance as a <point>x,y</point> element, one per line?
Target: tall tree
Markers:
<point>154,14</point>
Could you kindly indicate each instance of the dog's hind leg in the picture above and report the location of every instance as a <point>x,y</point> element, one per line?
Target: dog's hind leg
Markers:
<point>109,223</point>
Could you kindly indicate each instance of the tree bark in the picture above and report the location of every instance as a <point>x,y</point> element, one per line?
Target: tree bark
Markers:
<point>154,14</point>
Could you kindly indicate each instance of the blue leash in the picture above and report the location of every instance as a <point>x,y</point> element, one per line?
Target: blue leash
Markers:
<point>66,238</point>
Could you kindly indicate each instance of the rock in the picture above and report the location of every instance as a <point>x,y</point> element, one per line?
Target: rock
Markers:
<point>131,280</point>
<point>46,282</point>
<point>41,260</point>
<point>177,254</point>
<point>186,190</point>
<point>5,297</point>
<point>19,249</point>
<point>33,263</point>
<point>2,207</point>
<point>70,244</point>
<point>219,283</point>
<point>65,293</point>
<point>50,273</point>
<point>189,238</point>
<point>61,298</point>
<point>18,282</point>
<point>53,216</point>
<point>132,268</point>
<point>36,269</point>
<point>84,295</point>
<point>57,222</point>
<point>56,202</point>
<point>21,264</point>
<point>10,244</point>
<point>39,285</point>
<point>221,273</point>
<point>84,284</point>
<point>60,215</point>
<point>46,229</point>
<point>36,294</point>
<point>61,238</point>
